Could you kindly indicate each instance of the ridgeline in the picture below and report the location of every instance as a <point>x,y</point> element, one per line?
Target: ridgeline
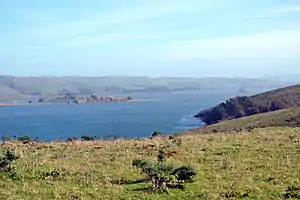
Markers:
<point>238,107</point>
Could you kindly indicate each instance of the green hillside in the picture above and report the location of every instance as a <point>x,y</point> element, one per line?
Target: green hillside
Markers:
<point>283,98</point>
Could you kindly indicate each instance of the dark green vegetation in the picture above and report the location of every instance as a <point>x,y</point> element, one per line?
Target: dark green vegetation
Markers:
<point>284,98</point>
<point>156,133</point>
<point>87,138</point>
<point>6,161</point>
<point>20,87</point>
<point>164,175</point>
<point>25,139</point>
<point>262,164</point>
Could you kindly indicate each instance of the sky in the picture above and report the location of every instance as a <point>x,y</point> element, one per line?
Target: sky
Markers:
<point>179,38</point>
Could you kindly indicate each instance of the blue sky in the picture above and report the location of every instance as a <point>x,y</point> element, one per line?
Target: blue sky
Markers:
<point>150,37</point>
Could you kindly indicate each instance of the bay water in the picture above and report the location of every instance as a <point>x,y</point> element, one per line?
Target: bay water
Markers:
<point>166,112</point>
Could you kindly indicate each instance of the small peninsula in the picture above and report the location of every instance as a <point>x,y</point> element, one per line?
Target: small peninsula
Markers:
<point>284,98</point>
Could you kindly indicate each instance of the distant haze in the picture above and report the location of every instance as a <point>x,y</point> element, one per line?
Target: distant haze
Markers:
<point>179,38</point>
<point>20,87</point>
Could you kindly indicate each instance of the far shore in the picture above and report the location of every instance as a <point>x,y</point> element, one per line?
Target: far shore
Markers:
<point>8,104</point>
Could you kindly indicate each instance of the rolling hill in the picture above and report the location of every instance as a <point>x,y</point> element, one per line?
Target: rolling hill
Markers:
<point>284,98</point>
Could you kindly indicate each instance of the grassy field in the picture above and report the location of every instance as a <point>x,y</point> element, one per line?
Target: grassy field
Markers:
<point>262,164</point>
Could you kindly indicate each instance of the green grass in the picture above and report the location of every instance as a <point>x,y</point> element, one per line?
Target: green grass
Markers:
<point>262,164</point>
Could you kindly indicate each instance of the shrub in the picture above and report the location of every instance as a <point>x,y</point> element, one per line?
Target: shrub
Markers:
<point>156,133</point>
<point>24,139</point>
<point>292,192</point>
<point>5,162</point>
<point>5,138</point>
<point>185,173</point>
<point>71,139</point>
<point>161,156</point>
<point>53,174</point>
<point>139,163</point>
<point>87,138</point>
<point>175,140</point>
<point>163,175</point>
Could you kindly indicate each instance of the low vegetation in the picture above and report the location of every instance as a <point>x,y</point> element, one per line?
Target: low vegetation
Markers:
<point>6,161</point>
<point>88,138</point>
<point>283,98</point>
<point>164,175</point>
<point>25,139</point>
<point>260,164</point>
<point>156,133</point>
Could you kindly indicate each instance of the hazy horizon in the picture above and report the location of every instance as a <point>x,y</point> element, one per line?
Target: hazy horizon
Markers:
<point>156,38</point>
<point>264,76</point>
<point>153,77</point>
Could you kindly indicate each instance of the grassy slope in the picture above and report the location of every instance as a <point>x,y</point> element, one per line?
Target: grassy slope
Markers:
<point>283,98</point>
<point>286,117</point>
<point>260,165</point>
<point>290,96</point>
<point>279,93</point>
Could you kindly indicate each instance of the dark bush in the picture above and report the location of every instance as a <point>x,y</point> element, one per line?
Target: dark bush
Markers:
<point>185,173</point>
<point>156,133</point>
<point>5,138</point>
<point>139,163</point>
<point>175,140</point>
<point>6,161</point>
<point>24,139</point>
<point>161,156</point>
<point>163,175</point>
<point>71,139</point>
<point>53,174</point>
<point>87,138</point>
<point>292,192</point>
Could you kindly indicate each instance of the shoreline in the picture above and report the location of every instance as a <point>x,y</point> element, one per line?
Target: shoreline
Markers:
<point>10,104</point>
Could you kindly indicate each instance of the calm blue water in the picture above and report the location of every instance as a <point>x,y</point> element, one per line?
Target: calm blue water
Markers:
<point>169,113</point>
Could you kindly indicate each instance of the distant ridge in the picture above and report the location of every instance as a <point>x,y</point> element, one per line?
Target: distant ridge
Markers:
<point>14,87</point>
